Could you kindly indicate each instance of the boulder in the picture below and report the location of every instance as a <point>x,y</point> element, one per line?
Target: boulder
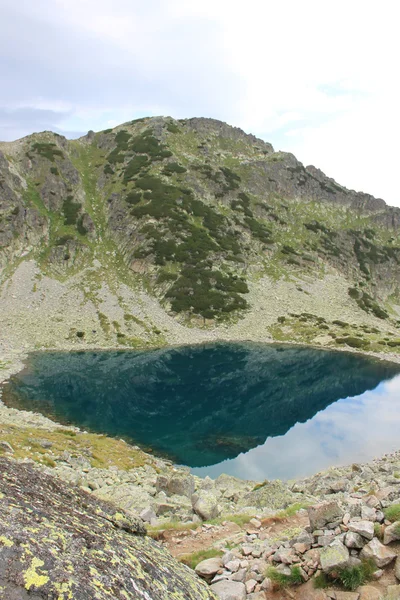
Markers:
<point>334,556</point>
<point>148,515</point>
<point>208,568</point>
<point>354,540</point>
<point>177,484</point>
<point>392,533</point>
<point>250,586</point>
<point>364,528</point>
<point>369,592</point>
<point>380,554</point>
<point>393,592</point>
<point>324,513</point>
<point>397,568</point>
<point>368,513</point>
<point>58,541</point>
<point>205,504</point>
<point>229,590</point>
<point>347,595</point>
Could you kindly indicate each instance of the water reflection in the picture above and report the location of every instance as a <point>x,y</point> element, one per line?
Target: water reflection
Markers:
<point>355,429</point>
<point>202,405</point>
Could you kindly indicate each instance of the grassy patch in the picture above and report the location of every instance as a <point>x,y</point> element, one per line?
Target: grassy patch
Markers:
<point>352,577</point>
<point>192,560</point>
<point>282,580</point>
<point>291,510</point>
<point>392,513</point>
<point>102,451</point>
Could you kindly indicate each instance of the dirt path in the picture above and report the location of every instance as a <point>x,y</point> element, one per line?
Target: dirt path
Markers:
<point>205,537</point>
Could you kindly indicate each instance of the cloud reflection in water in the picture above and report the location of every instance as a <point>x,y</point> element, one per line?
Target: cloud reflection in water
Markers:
<point>350,430</point>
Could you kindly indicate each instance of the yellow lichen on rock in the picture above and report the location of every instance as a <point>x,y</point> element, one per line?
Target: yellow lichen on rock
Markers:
<point>32,577</point>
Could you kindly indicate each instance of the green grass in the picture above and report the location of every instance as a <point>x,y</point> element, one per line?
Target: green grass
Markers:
<point>392,513</point>
<point>192,560</point>
<point>240,519</point>
<point>283,581</point>
<point>291,510</point>
<point>350,578</point>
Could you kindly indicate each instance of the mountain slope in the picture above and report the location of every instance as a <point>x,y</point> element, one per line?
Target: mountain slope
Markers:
<point>161,230</point>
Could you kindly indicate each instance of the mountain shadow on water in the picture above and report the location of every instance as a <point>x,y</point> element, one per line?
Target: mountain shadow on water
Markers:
<point>197,405</point>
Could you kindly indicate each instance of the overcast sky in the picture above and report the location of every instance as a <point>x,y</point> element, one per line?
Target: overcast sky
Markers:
<point>319,79</point>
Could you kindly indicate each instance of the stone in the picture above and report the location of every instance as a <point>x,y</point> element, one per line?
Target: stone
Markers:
<point>339,485</point>
<point>369,592</point>
<point>354,540</point>
<point>239,576</point>
<point>347,595</point>
<point>334,556</point>
<point>208,568</point>
<point>397,568</point>
<point>380,554</point>
<point>364,528</point>
<point>250,586</point>
<point>324,540</point>
<point>283,555</point>
<point>301,548</point>
<point>148,515</point>
<point>392,533</point>
<point>256,596</point>
<point>393,592</point>
<point>368,513</point>
<point>228,556</point>
<point>229,590</point>
<point>305,538</point>
<point>324,513</point>
<point>267,584</point>
<point>177,484</point>
<point>233,565</point>
<point>256,523</point>
<point>372,501</point>
<point>206,505</point>
<point>284,570</point>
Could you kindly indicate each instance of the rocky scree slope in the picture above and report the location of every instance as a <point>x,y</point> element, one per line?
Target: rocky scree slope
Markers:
<point>339,529</point>
<point>159,225</point>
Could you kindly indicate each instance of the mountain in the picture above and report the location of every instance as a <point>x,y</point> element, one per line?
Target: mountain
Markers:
<point>161,231</point>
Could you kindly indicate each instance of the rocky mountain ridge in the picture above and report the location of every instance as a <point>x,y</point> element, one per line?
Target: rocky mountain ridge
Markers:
<point>163,231</point>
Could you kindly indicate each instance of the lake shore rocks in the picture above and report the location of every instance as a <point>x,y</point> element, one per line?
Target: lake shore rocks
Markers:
<point>342,524</point>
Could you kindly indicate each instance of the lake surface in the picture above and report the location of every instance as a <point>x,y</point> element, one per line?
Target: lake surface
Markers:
<point>252,410</point>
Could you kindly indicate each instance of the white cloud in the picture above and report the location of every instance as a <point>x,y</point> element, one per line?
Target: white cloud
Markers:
<point>314,78</point>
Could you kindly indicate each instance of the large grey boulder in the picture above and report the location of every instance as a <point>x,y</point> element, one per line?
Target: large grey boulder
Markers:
<point>354,540</point>
<point>334,556</point>
<point>229,590</point>
<point>324,513</point>
<point>205,505</point>
<point>368,592</point>
<point>392,533</point>
<point>208,568</point>
<point>176,484</point>
<point>380,554</point>
<point>364,528</point>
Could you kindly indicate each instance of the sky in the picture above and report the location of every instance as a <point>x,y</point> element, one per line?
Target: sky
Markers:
<point>319,79</point>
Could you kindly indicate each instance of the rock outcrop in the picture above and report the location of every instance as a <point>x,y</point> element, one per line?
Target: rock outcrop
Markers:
<point>57,541</point>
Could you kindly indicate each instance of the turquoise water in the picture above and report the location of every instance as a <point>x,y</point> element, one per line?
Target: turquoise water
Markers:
<point>252,410</point>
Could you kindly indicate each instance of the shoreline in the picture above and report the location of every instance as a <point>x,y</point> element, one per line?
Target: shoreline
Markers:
<point>17,363</point>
